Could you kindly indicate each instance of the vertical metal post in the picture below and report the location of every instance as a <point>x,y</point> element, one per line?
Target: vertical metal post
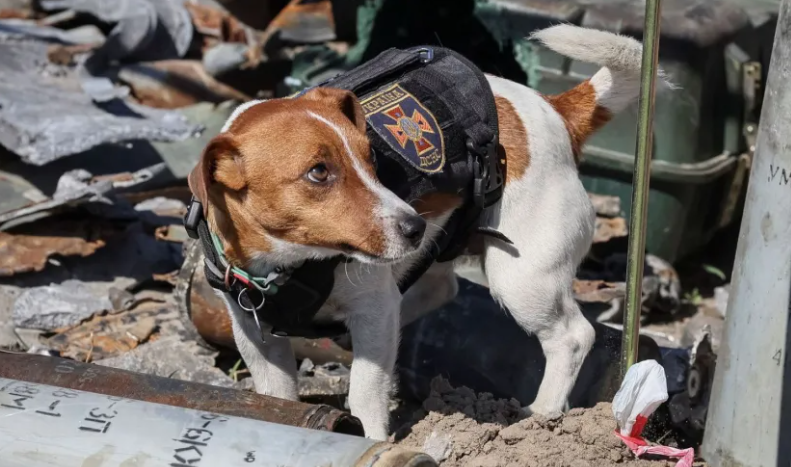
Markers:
<point>749,417</point>
<point>640,183</point>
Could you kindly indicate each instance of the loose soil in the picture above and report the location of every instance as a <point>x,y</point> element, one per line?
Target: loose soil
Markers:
<point>459,428</point>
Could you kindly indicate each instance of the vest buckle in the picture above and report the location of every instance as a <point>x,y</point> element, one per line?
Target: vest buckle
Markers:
<point>487,177</point>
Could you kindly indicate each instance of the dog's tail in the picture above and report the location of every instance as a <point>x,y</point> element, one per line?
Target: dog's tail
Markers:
<point>592,103</point>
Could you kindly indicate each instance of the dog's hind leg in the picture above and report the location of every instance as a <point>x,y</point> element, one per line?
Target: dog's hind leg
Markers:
<point>548,215</point>
<point>271,363</point>
<point>541,302</point>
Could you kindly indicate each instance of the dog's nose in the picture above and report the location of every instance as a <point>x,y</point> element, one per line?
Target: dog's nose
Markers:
<point>412,228</point>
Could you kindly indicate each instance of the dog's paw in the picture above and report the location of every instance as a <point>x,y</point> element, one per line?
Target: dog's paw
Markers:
<point>377,434</point>
<point>548,414</point>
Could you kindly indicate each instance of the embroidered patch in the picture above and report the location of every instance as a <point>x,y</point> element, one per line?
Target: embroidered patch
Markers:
<point>407,126</point>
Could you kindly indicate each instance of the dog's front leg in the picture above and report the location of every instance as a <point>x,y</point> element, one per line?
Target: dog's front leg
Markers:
<point>374,327</point>
<point>271,363</point>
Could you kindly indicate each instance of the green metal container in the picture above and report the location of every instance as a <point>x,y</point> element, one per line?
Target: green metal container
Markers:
<point>702,130</point>
<point>713,51</point>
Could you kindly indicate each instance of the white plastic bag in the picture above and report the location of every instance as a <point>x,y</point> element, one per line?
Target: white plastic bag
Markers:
<point>643,390</point>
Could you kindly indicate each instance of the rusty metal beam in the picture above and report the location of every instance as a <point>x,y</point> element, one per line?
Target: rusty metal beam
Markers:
<point>119,383</point>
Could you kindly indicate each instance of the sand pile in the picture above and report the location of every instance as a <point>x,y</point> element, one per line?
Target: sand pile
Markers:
<point>459,428</point>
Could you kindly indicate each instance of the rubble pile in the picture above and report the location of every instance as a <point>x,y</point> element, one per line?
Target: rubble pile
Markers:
<point>458,427</point>
<point>104,111</point>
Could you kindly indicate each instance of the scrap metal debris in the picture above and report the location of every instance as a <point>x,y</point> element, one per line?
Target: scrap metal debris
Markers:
<point>171,233</point>
<point>47,115</point>
<point>60,305</point>
<point>163,206</point>
<point>597,291</point>
<point>8,295</point>
<point>172,84</point>
<point>80,186</point>
<point>607,206</point>
<point>688,405</point>
<point>227,44</point>
<point>304,22</point>
<point>328,379</point>
<point>140,29</point>
<point>106,336</point>
<point>607,229</point>
<point>27,253</point>
<point>174,358</point>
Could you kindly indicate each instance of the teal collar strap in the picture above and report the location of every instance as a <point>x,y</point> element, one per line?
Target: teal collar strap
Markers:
<point>268,285</point>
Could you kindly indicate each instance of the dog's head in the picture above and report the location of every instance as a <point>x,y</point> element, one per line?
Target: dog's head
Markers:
<point>293,179</point>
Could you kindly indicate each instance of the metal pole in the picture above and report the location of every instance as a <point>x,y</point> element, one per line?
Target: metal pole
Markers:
<point>119,383</point>
<point>749,418</point>
<point>42,424</point>
<point>640,182</point>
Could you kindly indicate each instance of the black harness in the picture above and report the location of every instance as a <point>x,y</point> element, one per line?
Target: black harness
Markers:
<point>433,127</point>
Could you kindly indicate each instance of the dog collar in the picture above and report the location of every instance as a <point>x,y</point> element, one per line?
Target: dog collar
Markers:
<point>284,302</point>
<point>268,285</point>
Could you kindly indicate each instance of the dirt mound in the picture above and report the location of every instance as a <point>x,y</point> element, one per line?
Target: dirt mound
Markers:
<point>459,428</point>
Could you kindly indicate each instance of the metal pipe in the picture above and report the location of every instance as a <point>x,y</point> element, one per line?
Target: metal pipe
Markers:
<point>640,182</point>
<point>749,418</point>
<point>203,397</point>
<point>44,424</point>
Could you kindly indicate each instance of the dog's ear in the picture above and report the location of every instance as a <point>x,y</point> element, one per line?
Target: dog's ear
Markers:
<point>221,162</point>
<point>340,99</point>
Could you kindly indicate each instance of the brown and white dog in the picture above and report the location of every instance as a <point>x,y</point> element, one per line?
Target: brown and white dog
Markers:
<point>292,179</point>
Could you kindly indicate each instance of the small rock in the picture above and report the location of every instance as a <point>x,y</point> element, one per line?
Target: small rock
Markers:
<point>513,434</point>
<point>570,425</point>
<point>306,366</point>
<point>575,412</point>
<point>437,446</point>
<point>487,435</point>
<point>616,456</point>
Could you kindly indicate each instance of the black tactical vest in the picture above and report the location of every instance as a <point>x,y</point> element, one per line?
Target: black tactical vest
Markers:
<point>432,123</point>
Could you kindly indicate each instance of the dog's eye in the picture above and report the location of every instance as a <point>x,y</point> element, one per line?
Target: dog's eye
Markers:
<point>319,173</point>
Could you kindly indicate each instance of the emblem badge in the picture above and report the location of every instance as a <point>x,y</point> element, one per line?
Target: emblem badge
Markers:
<point>407,126</point>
